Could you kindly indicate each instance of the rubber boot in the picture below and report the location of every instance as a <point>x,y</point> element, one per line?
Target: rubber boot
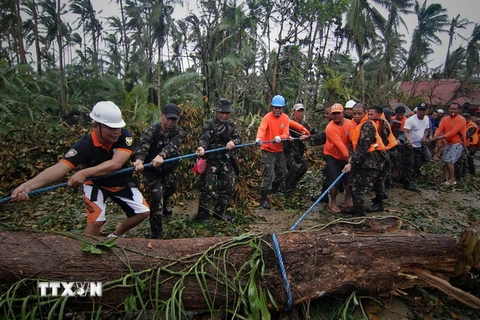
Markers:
<point>264,199</point>
<point>221,211</point>
<point>203,215</point>
<point>377,206</point>
<point>276,190</point>
<point>155,225</point>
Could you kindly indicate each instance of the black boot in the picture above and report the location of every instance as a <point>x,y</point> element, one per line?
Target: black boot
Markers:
<point>155,225</point>
<point>203,215</point>
<point>166,210</point>
<point>378,199</point>
<point>276,190</point>
<point>354,212</point>
<point>264,199</point>
<point>221,211</point>
<point>412,187</point>
<point>376,207</point>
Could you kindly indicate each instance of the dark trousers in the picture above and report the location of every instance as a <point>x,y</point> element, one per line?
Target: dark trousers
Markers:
<point>414,158</point>
<point>216,186</point>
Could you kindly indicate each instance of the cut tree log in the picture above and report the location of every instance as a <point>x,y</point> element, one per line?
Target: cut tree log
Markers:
<point>317,263</point>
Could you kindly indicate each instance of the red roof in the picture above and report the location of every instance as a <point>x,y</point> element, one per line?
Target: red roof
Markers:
<point>442,91</point>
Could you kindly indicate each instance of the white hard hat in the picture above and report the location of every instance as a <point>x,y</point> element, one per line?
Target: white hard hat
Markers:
<point>350,104</point>
<point>107,113</point>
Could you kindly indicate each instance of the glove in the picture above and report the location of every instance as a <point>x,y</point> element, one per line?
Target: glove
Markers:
<point>277,139</point>
<point>258,141</point>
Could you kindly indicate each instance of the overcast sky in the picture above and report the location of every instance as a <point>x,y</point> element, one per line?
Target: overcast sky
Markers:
<point>468,9</point>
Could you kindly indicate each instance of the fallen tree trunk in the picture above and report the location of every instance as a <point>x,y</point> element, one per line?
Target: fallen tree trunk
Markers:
<point>206,273</point>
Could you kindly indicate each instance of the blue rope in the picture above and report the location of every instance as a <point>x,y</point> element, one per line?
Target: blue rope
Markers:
<point>131,168</point>
<point>284,272</point>
<point>317,201</point>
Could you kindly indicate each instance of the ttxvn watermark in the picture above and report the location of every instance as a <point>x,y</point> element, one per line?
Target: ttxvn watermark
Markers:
<point>70,289</point>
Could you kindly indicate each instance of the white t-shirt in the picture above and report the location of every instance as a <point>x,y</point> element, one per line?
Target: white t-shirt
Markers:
<point>417,128</point>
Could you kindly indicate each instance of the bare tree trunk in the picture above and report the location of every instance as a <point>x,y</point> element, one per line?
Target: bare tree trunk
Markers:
<point>37,37</point>
<point>159,80</point>
<point>63,98</point>
<point>316,263</point>
<point>21,47</point>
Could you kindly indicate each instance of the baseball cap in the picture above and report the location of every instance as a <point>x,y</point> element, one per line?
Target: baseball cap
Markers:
<point>422,106</point>
<point>337,107</point>
<point>298,106</point>
<point>171,110</point>
<point>350,104</point>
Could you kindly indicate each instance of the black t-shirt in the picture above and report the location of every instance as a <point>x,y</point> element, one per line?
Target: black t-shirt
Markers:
<point>89,152</point>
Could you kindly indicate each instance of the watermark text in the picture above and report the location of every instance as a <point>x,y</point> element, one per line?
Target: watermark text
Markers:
<point>70,289</point>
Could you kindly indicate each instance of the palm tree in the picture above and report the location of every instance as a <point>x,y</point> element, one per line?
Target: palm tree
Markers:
<point>473,52</point>
<point>431,21</point>
<point>89,23</point>
<point>31,9</point>
<point>456,23</point>
<point>123,31</point>
<point>11,29</point>
<point>363,20</point>
<point>393,41</point>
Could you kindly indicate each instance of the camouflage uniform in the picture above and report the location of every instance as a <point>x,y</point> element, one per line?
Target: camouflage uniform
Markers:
<point>469,164</point>
<point>160,182</point>
<point>384,131</point>
<point>368,169</point>
<point>216,134</point>
<point>294,157</point>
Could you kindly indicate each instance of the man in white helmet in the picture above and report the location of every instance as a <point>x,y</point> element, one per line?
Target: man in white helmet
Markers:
<point>106,149</point>
<point>274,127</point>
<point>349,109</point>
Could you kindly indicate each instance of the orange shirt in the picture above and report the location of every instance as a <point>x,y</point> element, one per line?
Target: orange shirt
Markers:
<point>270,127</point>
<point>452,128</point>
<point>338,139</point>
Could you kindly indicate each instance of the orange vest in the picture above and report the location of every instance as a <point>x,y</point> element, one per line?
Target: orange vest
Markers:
<point>355,135</point>
<point>478,138</point>
<point>473,140</point>
<point>392,141</point>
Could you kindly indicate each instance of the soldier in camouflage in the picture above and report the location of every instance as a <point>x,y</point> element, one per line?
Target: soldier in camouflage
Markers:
<point>159,142</point>
<point>294,151</point>
<point>368,162</point>
<point>390,142</point>
<point>218,132</point>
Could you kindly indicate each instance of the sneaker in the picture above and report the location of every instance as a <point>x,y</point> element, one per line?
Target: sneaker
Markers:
<point>167,211</point>
<point>113,235</point>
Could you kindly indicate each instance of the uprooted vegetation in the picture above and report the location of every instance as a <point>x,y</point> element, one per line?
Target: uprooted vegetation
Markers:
<point>437,209</point>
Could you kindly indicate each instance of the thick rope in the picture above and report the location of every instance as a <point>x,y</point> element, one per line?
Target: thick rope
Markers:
<point>145,165</point>
<point>317,201</point>
<point>283,271</point>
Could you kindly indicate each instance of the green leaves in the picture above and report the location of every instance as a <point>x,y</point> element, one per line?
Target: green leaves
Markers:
<point>96,247</point>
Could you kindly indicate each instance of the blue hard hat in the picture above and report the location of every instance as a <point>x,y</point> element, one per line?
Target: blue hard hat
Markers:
<point>278,101</point>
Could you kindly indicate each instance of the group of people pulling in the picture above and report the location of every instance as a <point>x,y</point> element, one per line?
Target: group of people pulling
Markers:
<point>359,141</point>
